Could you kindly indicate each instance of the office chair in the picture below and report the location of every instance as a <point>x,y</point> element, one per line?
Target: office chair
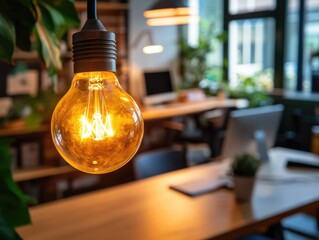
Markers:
<point>210,128</point>
<point>156,162</point>
<point>303,225</point>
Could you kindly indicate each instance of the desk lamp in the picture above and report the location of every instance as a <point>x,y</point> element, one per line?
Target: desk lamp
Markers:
<point>151,48</point>
<point>96,127</point>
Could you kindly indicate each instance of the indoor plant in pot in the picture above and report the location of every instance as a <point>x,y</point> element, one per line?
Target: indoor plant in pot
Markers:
<point>244,169</point>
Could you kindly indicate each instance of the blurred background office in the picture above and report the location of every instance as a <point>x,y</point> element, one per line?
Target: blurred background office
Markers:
<point>263,51</point>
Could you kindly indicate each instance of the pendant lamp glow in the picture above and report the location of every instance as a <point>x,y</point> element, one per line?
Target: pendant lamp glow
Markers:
<point>170,12</point>
<point>96,127</point>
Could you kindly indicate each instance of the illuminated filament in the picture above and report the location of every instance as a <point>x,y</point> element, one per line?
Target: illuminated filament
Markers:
<point>96,122</point>
<point>96,128</point>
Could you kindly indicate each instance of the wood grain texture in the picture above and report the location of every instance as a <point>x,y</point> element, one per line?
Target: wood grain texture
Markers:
<point>40,172</point>
<point>190,107</point>
<point>148,209</point>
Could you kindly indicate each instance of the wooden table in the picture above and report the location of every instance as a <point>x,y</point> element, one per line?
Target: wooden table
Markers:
<point>148,209</point>
<point>184,108</point>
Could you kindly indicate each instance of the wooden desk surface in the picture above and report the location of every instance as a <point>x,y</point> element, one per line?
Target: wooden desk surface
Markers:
<point>148,209</point>
<point>178,109</point>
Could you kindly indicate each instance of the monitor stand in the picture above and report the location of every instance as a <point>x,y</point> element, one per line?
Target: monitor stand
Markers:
<point>260,139</point>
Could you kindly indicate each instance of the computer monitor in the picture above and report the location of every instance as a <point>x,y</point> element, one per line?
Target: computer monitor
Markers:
<point>159,88</point>
<point>252,130</point>
<point>158,82</point>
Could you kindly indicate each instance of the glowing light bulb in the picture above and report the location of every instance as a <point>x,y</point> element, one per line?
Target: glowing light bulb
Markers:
<point>97,127</point>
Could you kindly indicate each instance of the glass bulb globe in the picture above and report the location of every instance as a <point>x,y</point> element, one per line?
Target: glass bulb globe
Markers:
<point>97,127</point>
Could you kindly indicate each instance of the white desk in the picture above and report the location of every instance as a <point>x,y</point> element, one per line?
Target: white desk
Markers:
<point>148,209</point>
<point>276,168</point>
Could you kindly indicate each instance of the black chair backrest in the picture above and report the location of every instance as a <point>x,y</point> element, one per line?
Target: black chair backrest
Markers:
<point>156,162</point>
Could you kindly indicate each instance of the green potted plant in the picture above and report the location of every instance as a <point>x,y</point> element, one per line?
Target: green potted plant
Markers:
<point>244,169</point>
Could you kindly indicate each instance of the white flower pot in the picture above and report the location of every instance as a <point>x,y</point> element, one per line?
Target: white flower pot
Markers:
<point>244,187</point>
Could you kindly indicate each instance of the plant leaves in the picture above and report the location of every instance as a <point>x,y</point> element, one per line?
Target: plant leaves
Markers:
<point>58,22</point>
<point>222,36</point>
<point>24,26</point>
<point>68,10</point>
<point>33,120</point>
<point>63,15</point>
<point>23,19</point>
<point>47,44</point>
<point>245,165</point>
<point>7,38</point>
<point>45,21</point>
<point>13,203</point>
<point>26,3</point>
<point>7,231</point>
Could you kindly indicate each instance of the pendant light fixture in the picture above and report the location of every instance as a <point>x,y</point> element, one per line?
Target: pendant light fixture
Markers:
<point>170,12</point>
<point>96,127</point>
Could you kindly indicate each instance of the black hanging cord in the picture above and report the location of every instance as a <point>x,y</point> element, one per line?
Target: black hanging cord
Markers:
<point>91,9</point>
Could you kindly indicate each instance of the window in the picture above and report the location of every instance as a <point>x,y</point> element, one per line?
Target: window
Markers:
<point>301,65</point>
<point>209,27</point>
<point>291,42</point>
<point>250,51</point>
<point>251,48</point>
<point>278,37</point>
<point>311,47</point>
<point>244,6</point>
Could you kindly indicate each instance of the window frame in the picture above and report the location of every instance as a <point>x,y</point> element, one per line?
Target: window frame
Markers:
<point>279,16</point>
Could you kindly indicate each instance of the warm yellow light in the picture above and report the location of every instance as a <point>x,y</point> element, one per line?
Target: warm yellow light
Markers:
<point>176,20</point>
<point>97,127</point>
<point>167,12</point>
<point>152,49</point>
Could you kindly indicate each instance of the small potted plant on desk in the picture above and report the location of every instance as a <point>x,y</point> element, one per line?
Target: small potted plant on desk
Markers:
<point>244,169</point>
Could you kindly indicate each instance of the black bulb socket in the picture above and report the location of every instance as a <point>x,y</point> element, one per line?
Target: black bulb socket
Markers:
<point>94,48</point>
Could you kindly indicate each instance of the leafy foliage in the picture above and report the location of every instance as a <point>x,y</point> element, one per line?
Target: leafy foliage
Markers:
<point>36,25</point>
<point>256,98</point>
<point>13,203</point>
<point>7,231</point>
<point>33,109</point>
<point>193,59</point>
<point>254,89</point>
<point>245,165</point>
